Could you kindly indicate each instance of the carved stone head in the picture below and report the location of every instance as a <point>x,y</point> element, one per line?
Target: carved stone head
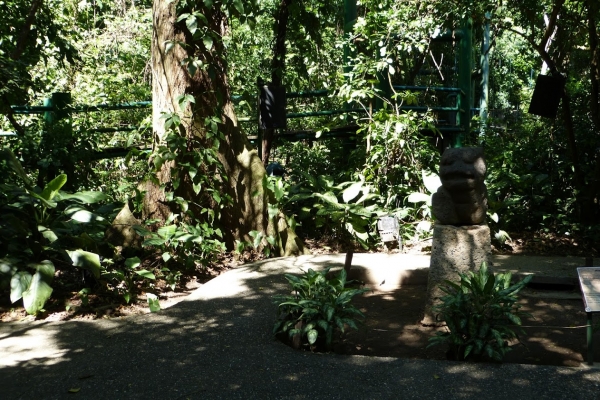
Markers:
<point>462,198</point>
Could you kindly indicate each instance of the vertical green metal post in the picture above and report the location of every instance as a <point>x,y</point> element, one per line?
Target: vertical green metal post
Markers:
<point>48,115</point>
<point>465,66</point>
<point>61,101</point>
<point>590,342</point>
<point>49,119</point>
<point>58,132</point>
<point>485,75</point>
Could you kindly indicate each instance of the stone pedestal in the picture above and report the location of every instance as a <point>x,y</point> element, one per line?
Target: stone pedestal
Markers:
<point>455,249</point>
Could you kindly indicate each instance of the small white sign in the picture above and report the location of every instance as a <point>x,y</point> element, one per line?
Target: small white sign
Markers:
<point>589,280</point>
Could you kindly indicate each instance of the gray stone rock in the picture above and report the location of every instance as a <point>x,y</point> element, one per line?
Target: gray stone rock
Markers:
<point>121,232</point>
<point>462,198</point>
<point>455,249</point>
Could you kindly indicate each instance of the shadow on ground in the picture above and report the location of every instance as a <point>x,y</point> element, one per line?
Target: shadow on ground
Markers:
<point>555,333</point>
<point>219,344</point>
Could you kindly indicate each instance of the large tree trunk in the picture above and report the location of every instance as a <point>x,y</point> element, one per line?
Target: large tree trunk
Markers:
<point>242,171</point>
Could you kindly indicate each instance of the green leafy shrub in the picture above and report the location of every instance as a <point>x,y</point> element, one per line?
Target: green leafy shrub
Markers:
<point>348,210</point>
<point>479,313</point>
<point>42,230</point>
<point>182,244</point>
<point>318,307</point>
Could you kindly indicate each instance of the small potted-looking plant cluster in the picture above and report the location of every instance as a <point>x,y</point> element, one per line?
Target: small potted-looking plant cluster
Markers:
<point>481,314</point>
<point>318,309</point>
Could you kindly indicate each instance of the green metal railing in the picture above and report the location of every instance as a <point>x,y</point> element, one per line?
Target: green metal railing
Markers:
<point>59,106</point>
<point>81,109</point>
<point>66,110</point>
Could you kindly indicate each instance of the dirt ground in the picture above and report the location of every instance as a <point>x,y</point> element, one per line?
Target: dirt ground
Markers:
<point>66,304</point>
<point>556,334</point>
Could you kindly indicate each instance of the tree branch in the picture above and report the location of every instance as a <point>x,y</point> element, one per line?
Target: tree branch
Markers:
<point>551,26</point>
<point>15,124</point>
<point>24,33</point>
<point>539,48</point>
<point>279,49</point>
<point>11,117</point>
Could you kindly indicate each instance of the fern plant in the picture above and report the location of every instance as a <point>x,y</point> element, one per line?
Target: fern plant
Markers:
<point>318,307</point>
<point>480,313</point>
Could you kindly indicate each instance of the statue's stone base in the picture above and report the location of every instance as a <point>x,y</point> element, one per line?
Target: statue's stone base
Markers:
<point>455,249</point>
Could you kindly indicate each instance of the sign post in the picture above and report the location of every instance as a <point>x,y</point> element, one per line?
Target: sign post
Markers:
<point>389,230</point>
<point>589,281</point>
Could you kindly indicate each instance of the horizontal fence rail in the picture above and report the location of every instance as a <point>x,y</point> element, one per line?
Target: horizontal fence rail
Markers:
<point>289,135</point>
<point>81,109</point>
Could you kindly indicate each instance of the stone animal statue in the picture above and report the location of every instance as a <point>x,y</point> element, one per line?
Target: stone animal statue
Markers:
<point>462,198</point>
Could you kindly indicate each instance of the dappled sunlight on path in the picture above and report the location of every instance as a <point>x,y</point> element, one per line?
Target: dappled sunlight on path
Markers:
<point>218,343</point>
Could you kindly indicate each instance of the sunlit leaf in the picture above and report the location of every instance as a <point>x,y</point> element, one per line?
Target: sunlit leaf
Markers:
<point>48,234</point>
<point>424,226</point>
<point>86,260</point>
<point>153,302</point>
<point>52,187</point>
<point>431,181</point>
<point>352,191</point>
<point>312,336</point>
<point>39,289</point>
<point>208,42</point>
<point>153,242</point>
<point>86,197</point>
<point>418,197</point>
<point>169,46</point>
<point>167,231</point>
<point>146,274</point>
<point>18,284</point>
<point>191,23</point>
<point>133,262</point>
<point>86,216</point>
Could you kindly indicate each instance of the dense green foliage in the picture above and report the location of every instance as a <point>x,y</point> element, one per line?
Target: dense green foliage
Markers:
<point>318,308</point>
<point>481,314</point>
<point>40,229</point>
<point>542,173</point>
